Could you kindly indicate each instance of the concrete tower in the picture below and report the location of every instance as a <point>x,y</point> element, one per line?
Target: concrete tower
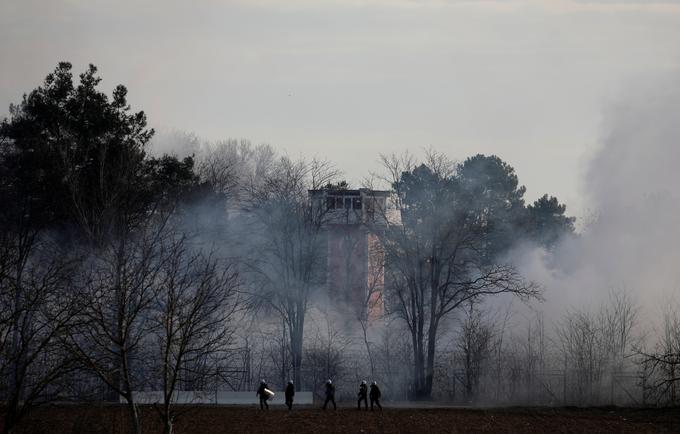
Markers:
<point>353,221</point>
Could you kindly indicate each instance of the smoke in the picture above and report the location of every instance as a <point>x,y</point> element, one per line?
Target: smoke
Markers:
<point>630,244</point>
<point>631,183</point>
<point>175,142</point>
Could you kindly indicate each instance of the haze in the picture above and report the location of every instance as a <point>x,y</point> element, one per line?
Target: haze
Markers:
<point>347,80</point>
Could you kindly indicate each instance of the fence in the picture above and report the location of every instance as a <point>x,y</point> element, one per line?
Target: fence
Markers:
<point>219,397</point>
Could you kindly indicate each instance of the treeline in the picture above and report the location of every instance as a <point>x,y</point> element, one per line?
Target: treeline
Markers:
<point>123,271</point>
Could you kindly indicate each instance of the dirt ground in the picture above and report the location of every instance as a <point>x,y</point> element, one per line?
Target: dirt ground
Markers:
<point>112,419</point>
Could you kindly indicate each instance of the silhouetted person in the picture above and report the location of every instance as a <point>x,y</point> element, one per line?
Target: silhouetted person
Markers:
<point>264,396</point>
<point>330,395</point>
<point>290,393</point>
<point>363,395</point>
<point>375,395</point>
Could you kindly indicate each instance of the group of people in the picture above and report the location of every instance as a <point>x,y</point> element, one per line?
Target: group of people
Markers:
<point>374,395</point>
<point>265,395</point>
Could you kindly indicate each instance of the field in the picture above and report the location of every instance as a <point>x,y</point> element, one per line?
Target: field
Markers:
<point>112,419</point>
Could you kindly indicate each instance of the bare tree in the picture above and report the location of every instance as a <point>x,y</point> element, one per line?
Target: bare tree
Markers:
<point>474,345</point>
<point>618,318</point>
<point>289,260</point>
<point>193,316</point>
<point>594,346</point>
<point>37,310</point>
<point>325,352</point>
<point>120,288</point>
<point>583,354</point>
<point>661,365</point>
<point>392,356</point>
<point>371,310</point>
<point>499,355</point>
<point>231,166</point>
<point>269,350</point>
<point>437,254</point>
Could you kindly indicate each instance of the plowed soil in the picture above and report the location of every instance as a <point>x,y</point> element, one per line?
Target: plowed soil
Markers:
<point>112,419</point>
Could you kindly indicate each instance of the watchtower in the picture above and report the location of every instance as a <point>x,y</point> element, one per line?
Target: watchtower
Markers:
<point>353,224</point>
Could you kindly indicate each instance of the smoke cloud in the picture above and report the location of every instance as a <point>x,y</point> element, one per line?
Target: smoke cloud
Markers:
<point>632,242</point>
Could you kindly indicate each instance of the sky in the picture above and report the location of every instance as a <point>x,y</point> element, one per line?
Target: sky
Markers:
<point>346,80</point>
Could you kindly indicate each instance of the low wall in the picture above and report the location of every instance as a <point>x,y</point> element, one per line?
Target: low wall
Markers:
<point>219,397</point>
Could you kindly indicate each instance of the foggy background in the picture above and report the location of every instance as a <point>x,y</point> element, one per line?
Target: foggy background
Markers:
<point>581,98</point>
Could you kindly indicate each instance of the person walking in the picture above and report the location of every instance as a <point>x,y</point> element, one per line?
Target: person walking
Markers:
<point>375,395</point>
<point>290,393</point>
<point>363,395</point>
<point>330,395</point>
<point>264,396</point>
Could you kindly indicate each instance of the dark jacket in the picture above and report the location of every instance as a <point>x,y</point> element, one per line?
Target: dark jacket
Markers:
<point>375,392</point>
<point>260,391</point>
<point>330,390</point>
<point>363,390</point>
<point>290,392</point>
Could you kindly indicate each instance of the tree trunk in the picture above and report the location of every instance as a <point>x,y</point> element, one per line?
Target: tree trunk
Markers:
<point>468,375</point>
<point>419,387</point>
<point>432,325</point>
<point>424,357</point>
<point>10,421</point>
<point>364,327</point>
<point>134,416</point>
<point>16,386</point>
<point>284,380</point>
<point>296,349</point>
<point>420,390</point>
<point>423,369</point>
<point>16,383</point>
<point>134,413</point>
<point>166,415</point>
<point>297,362</point>
<point>167,426</point>
<point>429,373</point>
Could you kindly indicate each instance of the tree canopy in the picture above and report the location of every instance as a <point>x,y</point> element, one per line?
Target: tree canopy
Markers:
<point>72,157</point>
<point>458,222</point>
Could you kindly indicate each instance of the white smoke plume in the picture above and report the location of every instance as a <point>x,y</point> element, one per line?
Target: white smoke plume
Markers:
<point>632,184</point>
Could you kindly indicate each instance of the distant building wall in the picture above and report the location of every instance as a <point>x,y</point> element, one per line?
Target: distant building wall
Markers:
<point>348,262</point>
